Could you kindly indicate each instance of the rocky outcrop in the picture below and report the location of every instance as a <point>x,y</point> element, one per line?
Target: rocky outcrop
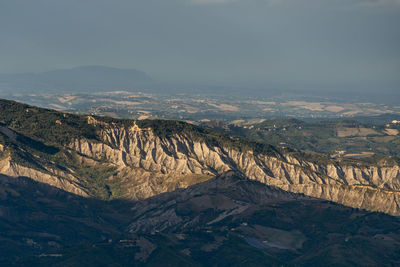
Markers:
<point>369,187</point>
<point>53,177</point>
<point>147,164</point>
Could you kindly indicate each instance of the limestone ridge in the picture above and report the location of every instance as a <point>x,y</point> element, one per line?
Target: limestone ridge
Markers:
<point>133,160</point>
<point>370,187</point>
<point>46,173</point>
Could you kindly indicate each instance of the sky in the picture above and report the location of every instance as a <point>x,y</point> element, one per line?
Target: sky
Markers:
<point>318,44</point>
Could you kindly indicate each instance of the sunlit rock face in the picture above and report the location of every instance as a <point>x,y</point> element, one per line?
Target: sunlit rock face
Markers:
<point>127,161</point>
<point>140,150</point>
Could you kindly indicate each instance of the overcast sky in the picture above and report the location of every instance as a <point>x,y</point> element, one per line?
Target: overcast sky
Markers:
<point>287,43</point>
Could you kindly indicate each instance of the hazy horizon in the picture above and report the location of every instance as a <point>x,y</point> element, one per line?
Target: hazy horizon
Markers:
<point>282,44</point>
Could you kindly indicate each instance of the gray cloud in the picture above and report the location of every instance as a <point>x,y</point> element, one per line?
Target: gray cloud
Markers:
<point>309,43</point>
<point>212,1</point>
<point>200,2</point>
<point>380,3</point>
<point>365,3</point>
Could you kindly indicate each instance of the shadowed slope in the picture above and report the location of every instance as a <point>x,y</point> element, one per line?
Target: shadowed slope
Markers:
<point>226,221</point>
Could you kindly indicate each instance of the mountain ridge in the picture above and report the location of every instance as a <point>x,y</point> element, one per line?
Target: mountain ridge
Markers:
<point>109,159</point>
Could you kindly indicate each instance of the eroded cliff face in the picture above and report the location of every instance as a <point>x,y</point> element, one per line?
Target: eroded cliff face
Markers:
<point>136,163</point>
<point>53,176</point>
<point>156,164</point>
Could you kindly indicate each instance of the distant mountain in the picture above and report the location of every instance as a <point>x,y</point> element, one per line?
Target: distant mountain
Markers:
<point>85,78</point>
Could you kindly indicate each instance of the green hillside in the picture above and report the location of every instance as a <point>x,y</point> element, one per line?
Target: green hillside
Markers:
<point>345,138</point>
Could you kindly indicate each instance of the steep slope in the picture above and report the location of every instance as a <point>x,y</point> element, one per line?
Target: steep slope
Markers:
<point>287,228</point>
<point>110,158</point>
<point>38,221</point>
<point>371,187</point>
<point>226,221</point>
<point>227,195</point>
